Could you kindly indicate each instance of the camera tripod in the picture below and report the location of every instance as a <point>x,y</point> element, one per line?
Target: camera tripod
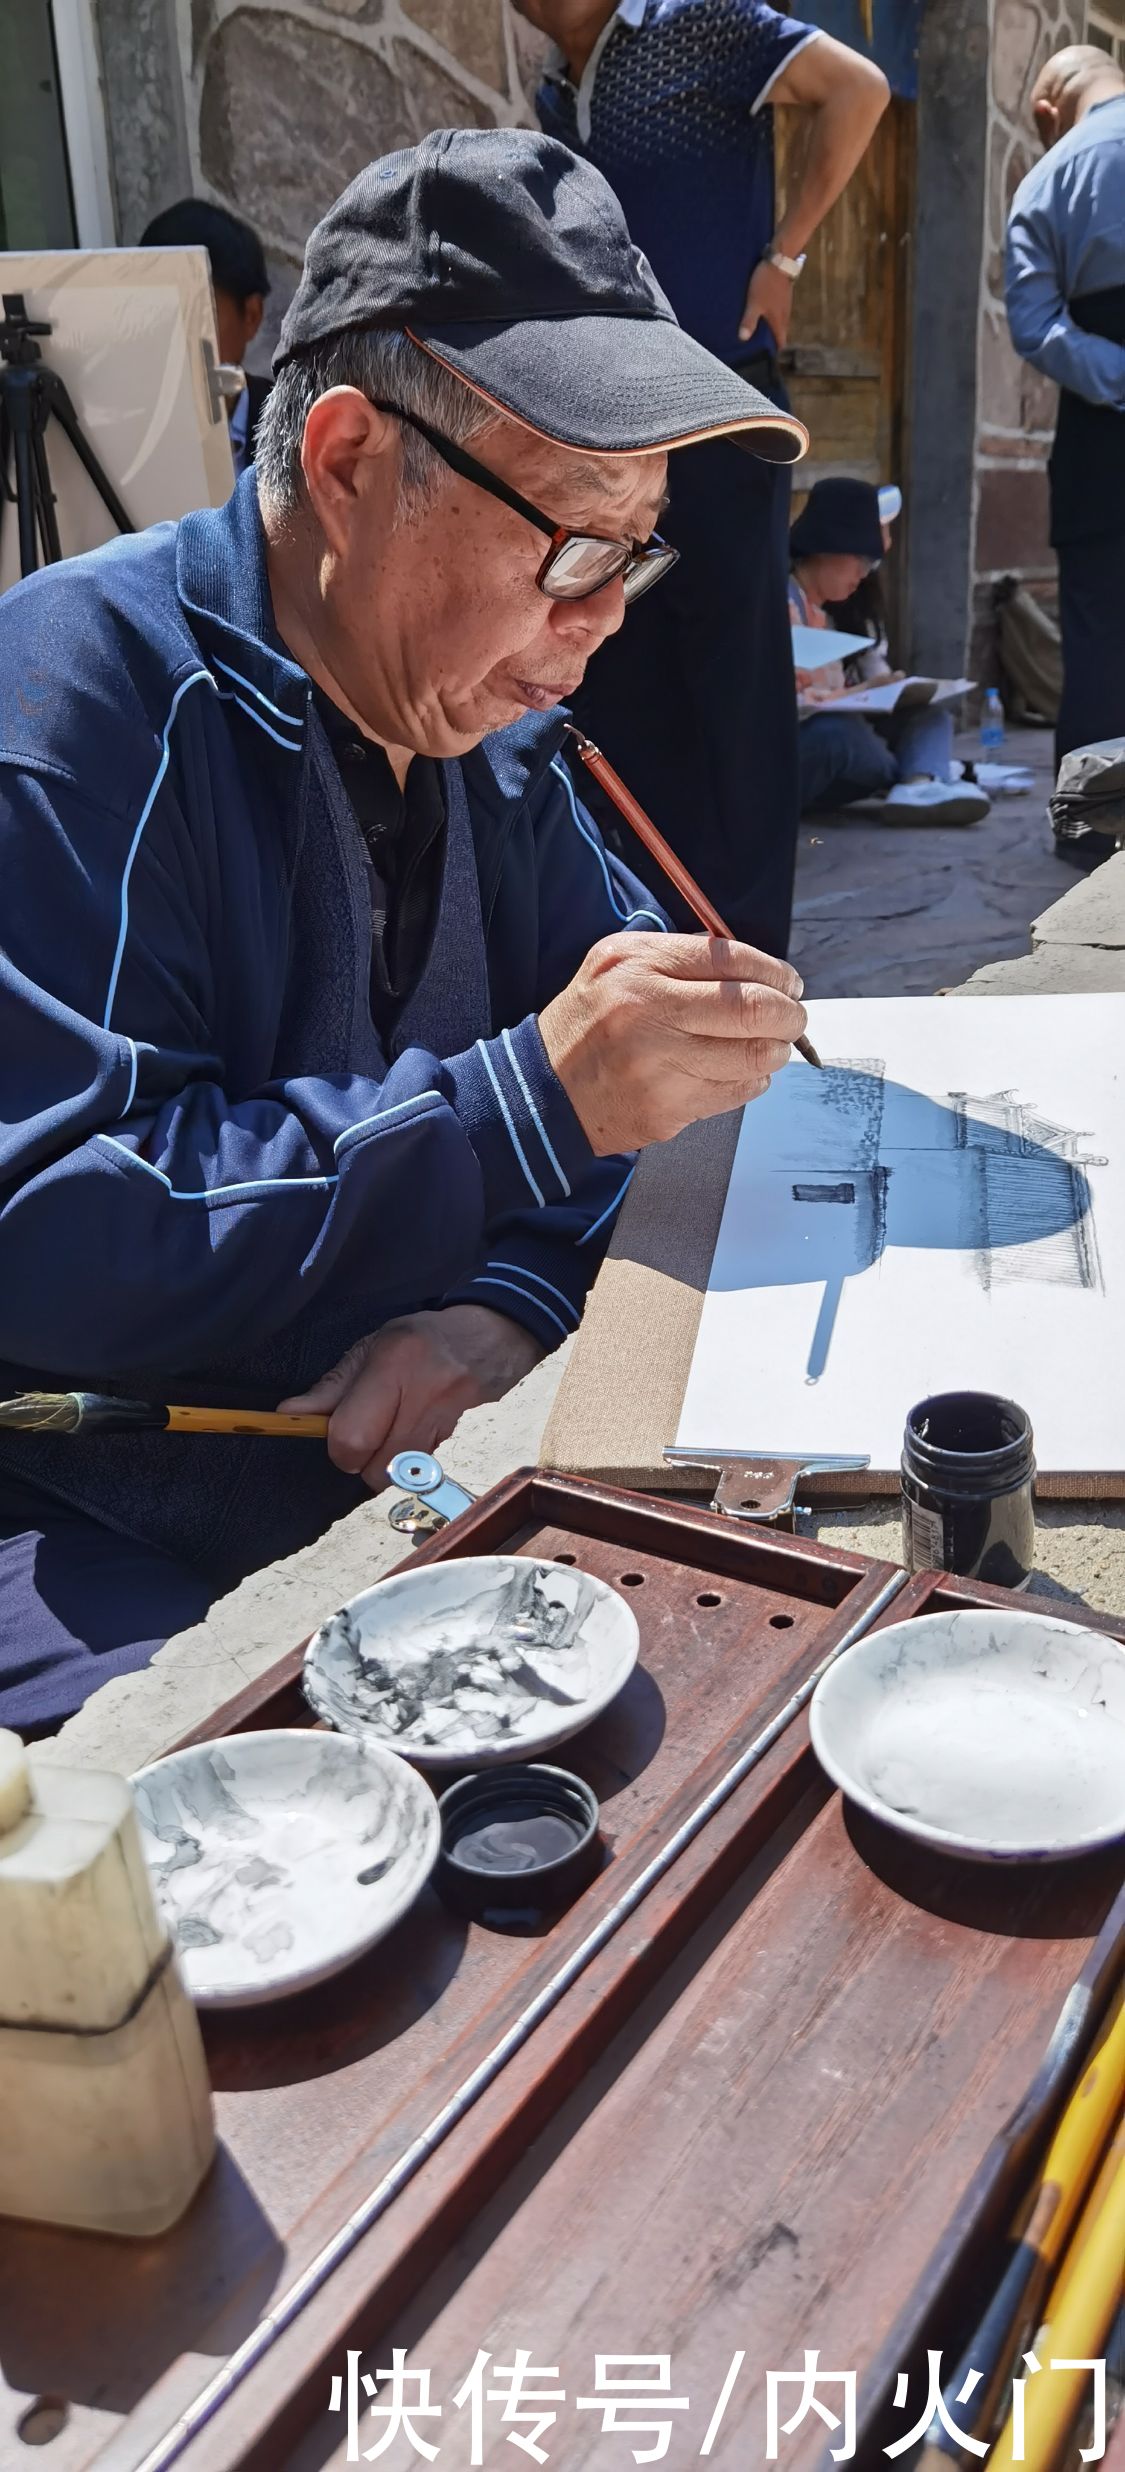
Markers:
<point>29,394</point>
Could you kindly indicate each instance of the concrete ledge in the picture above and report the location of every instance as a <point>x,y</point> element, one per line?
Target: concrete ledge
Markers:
<point>1091,914</point>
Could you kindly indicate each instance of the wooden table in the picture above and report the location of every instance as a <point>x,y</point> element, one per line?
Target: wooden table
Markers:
<point>775,2108</point>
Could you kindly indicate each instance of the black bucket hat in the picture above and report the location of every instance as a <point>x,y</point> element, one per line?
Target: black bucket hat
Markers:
<point>839,519</point>
<point>508,259</point>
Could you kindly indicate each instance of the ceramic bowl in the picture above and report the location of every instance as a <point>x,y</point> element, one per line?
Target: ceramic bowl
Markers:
<point>463,1664</point>
<point>996,1735</point>
<point>278,1857</point>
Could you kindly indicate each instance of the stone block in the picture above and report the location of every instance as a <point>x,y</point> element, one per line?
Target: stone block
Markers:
<point>434,100</point>
<point>1012,521</point>
<point>1055,970</point>
<point>144,110</point>
<point>473,30</point>
<point>1000,387</point>
<point>1092,913</point>
<point>1017,48</point>
<point>287,116</point>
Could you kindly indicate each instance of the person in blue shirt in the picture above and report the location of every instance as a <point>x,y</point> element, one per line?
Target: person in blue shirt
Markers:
<point>672,99</point>
<point>1065,287</point>
<point>327,1027</point>
<point>240,284</point>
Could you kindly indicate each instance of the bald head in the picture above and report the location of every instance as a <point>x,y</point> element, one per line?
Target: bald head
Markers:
<point>1068,84</point>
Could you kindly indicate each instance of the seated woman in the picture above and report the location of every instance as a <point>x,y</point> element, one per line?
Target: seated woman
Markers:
<point>903,759</point>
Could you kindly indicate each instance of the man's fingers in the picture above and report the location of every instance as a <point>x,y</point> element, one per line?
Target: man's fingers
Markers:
<point>727,1009</point>
<point>323,1396</point>
<point>359,1429</point>
<point>698,957</point>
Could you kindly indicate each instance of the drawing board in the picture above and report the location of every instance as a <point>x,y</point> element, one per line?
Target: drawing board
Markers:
<point>942,1208</point>
<point>133,338</point>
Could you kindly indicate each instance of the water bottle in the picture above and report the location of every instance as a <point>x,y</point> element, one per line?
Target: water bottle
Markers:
<point>992,726</point>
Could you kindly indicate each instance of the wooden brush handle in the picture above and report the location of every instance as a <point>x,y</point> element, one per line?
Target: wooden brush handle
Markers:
<point>245,1421</point>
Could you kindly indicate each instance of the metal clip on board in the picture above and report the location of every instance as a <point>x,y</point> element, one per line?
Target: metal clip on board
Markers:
<point>431,1497</point>
<point>759,1487</point>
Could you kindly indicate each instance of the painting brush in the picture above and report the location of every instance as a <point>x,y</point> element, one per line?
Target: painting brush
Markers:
<point>662,852</point>
<point>1081,2310</point>
<point>1040,2234</point>
<point>93,1412</point>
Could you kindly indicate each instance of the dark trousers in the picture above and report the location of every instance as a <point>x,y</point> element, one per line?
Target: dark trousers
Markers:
<point>841,758</point>
<point>1092,623</point>
<point>78,1604</point>
<point>693,701</point>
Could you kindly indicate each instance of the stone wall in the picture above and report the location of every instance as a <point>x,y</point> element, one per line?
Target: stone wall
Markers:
<point>1015,405</point>
<point>271,106</point>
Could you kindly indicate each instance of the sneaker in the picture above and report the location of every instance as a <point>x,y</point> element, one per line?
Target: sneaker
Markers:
<point>935,802</point>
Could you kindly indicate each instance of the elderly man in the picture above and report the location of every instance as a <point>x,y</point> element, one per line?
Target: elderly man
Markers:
<point>327,1027</point>
<point>1066,310</point>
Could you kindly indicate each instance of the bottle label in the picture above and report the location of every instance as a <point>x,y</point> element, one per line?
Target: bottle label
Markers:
<point>925,1538</point>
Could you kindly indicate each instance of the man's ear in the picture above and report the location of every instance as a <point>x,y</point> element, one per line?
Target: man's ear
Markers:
<point>1046,118</point>
<point>345,438</point>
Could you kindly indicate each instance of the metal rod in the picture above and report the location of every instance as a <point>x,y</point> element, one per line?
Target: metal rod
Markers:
<point>261,2341</point>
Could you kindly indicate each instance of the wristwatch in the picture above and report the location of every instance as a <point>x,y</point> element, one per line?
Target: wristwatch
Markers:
<point>785,265</point>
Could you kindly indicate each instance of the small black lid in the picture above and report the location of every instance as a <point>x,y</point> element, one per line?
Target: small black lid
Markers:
<point>521,1837</point>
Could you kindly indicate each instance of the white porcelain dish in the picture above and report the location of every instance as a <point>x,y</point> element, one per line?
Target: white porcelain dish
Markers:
<point>995,1735</point>
<point>465,1664</point>
<point>279,1857</point>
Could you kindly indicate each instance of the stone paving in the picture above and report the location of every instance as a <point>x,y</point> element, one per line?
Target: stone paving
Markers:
<point>903,909</point>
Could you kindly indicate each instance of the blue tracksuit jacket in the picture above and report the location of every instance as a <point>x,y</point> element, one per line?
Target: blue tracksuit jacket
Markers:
<point>169,1197</point>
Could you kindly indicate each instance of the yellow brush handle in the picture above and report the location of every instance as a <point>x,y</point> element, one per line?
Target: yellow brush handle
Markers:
<point>1078,2140</point>
<point>1082,2306</point>
<point>245,1420</point>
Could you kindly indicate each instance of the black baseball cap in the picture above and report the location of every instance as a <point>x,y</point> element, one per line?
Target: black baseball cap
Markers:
<point>507,258</point>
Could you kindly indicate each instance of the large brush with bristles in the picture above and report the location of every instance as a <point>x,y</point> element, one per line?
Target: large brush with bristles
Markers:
<point>93,1412</point>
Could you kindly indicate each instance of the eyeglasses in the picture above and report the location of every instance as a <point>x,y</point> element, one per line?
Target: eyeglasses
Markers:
<point>577,564</point>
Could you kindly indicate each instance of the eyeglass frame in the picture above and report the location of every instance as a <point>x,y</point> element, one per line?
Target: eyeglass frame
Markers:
<point>635,557</point>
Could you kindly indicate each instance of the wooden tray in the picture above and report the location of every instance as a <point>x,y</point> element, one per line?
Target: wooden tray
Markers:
<point>853,1964</point>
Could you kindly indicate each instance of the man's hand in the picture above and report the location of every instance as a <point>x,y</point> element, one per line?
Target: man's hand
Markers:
<point>656,1032</point>
<point>770,297</point>
<point>405,1387</point>
<point>845,97</point>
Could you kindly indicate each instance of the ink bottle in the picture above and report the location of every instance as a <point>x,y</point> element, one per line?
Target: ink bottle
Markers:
<point>968,1470</point>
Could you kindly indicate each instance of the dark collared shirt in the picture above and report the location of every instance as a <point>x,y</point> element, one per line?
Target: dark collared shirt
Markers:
<point>672,107</point>
<point>404,836</point>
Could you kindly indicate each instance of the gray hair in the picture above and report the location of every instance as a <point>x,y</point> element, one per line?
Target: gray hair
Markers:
<point>387,367</point>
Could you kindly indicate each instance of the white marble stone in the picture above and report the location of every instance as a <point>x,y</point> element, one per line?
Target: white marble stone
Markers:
<point>998,1735</point>
<point>467,1663</point>
<point>279,1857</point>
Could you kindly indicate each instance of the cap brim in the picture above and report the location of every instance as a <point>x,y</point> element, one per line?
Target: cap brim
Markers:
<point>613,386</point>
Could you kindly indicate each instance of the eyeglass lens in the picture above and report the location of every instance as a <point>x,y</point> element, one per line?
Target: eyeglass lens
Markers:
<point>583,565</point>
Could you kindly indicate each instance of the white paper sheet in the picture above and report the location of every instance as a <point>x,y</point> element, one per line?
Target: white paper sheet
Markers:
<point>943,1208</point>
<point>813,647</point>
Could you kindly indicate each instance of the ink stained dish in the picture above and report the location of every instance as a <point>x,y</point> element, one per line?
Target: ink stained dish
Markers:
<point>464,1664</point>
<point>999,1736</point>
<point>279,1857</point>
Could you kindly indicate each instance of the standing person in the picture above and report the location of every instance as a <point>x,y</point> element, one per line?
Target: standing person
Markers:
<point>1066,310</point>
<point>240,284</point>
<point>670,98</point>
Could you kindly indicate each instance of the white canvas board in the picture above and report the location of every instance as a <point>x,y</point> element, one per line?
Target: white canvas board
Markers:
<point>129,328</point>
<point>942,1208</point>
